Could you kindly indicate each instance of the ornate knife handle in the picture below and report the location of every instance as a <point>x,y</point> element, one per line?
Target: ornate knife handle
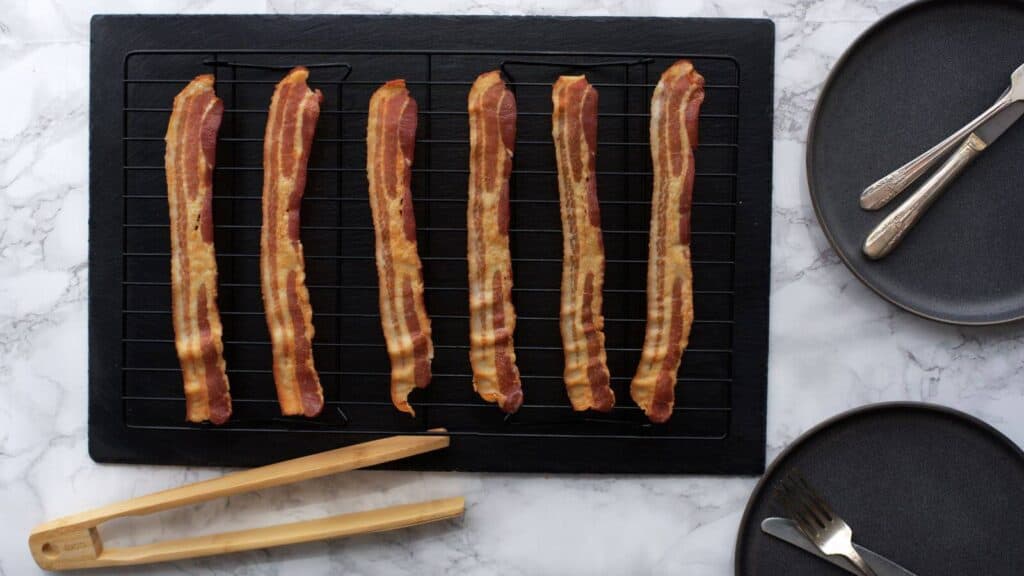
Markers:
<point>888,234</point>
<point>880,193</point>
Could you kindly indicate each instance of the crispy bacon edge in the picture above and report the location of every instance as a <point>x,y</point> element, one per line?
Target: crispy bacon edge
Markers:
<point>189,160</point>
<point>291,122</point>
<point>574,128</point>
<point>492,135</point>
<point>675,108</point>
<point>390,141</point>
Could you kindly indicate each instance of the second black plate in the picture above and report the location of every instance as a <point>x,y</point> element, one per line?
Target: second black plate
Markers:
<point>928,487</point>
<point>908,82</point>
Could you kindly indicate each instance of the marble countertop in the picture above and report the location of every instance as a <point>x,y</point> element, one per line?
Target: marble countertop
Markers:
<point>834,344</point>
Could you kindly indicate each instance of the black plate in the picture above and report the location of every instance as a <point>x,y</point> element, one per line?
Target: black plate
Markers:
<point>931,488</point>
<point>909,81</point>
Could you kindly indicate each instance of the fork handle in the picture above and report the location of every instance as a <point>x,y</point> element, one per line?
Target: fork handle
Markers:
<point>880,193</point>
<point>864,567</point>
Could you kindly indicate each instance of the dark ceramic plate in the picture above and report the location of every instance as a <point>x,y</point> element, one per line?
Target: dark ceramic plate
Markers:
<point>933,489</point>
<point>908,82</point>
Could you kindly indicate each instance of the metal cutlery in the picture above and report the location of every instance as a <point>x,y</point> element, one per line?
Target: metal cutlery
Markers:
<point>786,530</point>
<point>816,519</point>
<point>892,229</point>
<point>880,193</point>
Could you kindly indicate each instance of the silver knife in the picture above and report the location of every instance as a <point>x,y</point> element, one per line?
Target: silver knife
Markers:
<point>890,231</point>
<point>785,529</point>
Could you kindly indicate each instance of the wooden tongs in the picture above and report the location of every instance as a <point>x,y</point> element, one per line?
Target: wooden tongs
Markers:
<point>74,542</point>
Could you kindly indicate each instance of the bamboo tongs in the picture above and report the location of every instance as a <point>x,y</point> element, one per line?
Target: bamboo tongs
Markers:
<point>74,542</point>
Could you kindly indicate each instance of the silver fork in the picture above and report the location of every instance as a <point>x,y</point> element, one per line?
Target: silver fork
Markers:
<point>817,520</point>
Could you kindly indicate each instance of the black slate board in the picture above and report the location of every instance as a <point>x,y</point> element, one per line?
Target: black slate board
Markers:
<point>912,79</point>
<point>933,489</point>
<point>136,403</point>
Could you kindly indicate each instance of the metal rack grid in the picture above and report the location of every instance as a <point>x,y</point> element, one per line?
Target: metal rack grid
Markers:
<point>338,237</point>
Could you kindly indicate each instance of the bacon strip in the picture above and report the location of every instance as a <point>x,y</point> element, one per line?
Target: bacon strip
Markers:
<point>574,120</point>
<point>675,107</point>
<point>492,135</point>
<point>390,140</point>
<point>291,122</point>
<point>189,160</point>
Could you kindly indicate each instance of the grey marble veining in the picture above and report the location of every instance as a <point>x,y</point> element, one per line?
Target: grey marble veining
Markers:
<point>834,345</point>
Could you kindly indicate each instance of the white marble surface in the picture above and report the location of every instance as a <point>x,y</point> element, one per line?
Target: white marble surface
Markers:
<point>834,345</point>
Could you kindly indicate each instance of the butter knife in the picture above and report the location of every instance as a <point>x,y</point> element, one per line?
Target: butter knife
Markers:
<point>891,230</point>
<point>785,529</point>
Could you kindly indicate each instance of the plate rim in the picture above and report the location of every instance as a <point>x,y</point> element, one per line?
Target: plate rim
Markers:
<point>898,405</point>
<point>815,112</point>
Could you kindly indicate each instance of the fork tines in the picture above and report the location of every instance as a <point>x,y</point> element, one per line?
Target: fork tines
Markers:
<point>803,503</point>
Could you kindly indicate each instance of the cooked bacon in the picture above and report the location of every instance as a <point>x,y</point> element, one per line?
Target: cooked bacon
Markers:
<point>390,140</point>
<point>291,122</point>
<point>492,135</point>
<point>675,107</point>
<point>189,160</point>
<point>574,120</point>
